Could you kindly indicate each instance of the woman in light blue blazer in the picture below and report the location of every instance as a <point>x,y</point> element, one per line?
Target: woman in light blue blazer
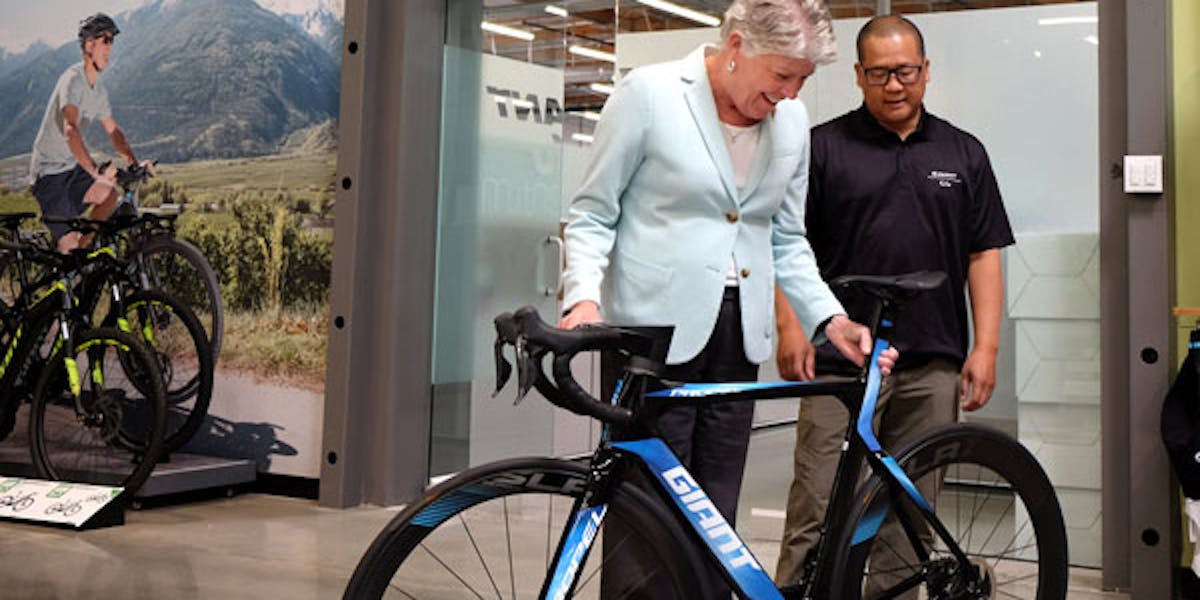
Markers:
<point>693,208</point>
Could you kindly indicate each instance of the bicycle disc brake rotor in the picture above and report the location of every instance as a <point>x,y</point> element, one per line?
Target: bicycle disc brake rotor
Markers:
<point>947,581</point>
<point>103,414</point>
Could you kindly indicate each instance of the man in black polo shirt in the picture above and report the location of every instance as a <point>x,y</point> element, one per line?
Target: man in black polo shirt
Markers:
<point>894,189</point>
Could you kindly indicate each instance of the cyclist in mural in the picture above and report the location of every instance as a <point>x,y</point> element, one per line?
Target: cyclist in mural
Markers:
<point>894,189</point>
<point>66,177</point>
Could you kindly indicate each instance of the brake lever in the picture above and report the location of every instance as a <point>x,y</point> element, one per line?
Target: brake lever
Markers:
<point>503,367</point>
<point>527,369</point>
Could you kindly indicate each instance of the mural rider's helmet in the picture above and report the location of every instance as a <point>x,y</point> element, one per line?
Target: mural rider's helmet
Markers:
<point>96,26</point>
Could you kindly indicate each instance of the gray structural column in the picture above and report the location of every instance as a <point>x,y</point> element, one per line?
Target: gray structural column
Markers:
<point>1114,298</point>
<point>1136,291</point>
<point>1151,532</point>
<point>377,395</point>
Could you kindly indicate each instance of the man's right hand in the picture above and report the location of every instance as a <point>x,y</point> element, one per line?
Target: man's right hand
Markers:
<point>582,313</point>
<point>795,357</point>
<point>149,166</point>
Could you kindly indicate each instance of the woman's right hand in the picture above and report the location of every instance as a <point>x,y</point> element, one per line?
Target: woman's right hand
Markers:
<point>582,313</point>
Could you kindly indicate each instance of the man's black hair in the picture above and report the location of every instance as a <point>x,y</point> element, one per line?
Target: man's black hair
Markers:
<point>886,25</point>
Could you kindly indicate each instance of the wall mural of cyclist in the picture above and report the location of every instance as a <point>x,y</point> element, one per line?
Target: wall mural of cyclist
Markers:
<point>237,100</point>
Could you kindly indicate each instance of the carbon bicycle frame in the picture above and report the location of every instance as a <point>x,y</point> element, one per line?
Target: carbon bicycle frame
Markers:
<point>693,507</point>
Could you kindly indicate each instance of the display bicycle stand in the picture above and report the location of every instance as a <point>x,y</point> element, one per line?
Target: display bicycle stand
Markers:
<point>179,474</point>
<point>183,472</point>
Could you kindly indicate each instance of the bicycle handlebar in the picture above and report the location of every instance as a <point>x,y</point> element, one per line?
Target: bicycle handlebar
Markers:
<point>533,338</point>
<point>130,175</point>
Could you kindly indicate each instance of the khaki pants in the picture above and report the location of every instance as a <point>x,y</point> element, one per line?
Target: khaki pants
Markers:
<point>911,403</point>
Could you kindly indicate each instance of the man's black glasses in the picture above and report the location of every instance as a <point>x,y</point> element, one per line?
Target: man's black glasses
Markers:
<point>905,74</point>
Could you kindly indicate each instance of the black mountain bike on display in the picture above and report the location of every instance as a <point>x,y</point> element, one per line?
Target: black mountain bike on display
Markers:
<point>527,528</point>
<point>159,260</point>
<point>165,262</point>
<point>109,289</point>
<point>97,402</point>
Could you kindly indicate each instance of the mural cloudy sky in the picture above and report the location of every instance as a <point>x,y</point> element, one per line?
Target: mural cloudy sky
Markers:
<point>56,21</point>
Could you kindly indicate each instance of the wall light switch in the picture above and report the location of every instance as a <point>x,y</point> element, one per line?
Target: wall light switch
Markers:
<point>1144,174</point>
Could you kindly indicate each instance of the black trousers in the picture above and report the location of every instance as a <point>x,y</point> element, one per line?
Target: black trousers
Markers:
<point>710,440</point>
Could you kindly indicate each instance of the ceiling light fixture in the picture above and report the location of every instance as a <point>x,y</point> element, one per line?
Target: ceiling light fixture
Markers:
<point>1068,21</point>
<point>593,53</point>
<point>512,32</point>
<point>556,10</point>
<point>686,13</point>
<point>602,88</point>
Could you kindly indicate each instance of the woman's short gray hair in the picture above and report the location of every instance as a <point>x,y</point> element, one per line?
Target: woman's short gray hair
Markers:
<point>795,28</point>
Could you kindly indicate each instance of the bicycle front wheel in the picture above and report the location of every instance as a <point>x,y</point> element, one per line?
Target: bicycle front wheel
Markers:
<point>177,340</point>
<point>996,502</point>
<point>180,269</point>
<point>111,433</point>
<point>492,531</point>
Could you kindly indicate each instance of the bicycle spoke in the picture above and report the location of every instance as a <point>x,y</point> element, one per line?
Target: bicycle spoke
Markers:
<point>958,510</point>
<point>512,569</point>
<point>1016,535</point>
<point>1021,578</point>
<point>479,555</point>
<point>612,552</point>
<point>452,572</point>
<point>406,594</point>
<point>549,528</point>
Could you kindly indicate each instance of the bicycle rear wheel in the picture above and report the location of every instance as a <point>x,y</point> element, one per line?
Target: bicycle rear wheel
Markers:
<point>178,342</point>
<point>996,502</point>
<point>112,434</point>
<point>180,269</point>
<point>493,530</point>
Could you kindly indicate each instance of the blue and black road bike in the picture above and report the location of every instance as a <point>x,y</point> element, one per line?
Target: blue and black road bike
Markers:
<point>528,528</point>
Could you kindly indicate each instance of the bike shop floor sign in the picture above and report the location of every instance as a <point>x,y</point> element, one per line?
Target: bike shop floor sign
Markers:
<point>60,503</point>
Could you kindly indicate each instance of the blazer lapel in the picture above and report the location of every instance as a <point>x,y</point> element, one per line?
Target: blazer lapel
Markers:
<point>700,102</point>
<point>762,158</point>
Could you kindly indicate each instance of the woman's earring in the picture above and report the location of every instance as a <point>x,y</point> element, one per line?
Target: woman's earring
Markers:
<point>732,66</point>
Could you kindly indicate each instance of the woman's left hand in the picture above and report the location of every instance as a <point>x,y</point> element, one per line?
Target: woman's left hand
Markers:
<point>853,340</point>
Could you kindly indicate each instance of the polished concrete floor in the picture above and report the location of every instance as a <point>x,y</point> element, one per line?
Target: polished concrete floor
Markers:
<point>259,546</point>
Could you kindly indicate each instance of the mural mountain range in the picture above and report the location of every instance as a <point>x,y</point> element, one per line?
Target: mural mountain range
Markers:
<point>190,79</point>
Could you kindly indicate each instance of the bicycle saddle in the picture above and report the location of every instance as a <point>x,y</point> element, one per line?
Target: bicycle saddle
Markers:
<point>892,288</point>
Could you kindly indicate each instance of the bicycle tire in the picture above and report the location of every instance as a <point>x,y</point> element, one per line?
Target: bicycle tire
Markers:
<point>192,280</point>
<point>119,438</point>
<point>1016,495</point>
<point>180,346</point>
<point>392,567</point>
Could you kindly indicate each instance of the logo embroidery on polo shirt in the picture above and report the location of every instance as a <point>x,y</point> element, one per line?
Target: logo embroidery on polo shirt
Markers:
<point>944,178</point>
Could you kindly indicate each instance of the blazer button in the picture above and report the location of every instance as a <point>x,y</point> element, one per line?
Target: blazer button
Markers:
<point>731,216</point>
<point>745,273</point>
